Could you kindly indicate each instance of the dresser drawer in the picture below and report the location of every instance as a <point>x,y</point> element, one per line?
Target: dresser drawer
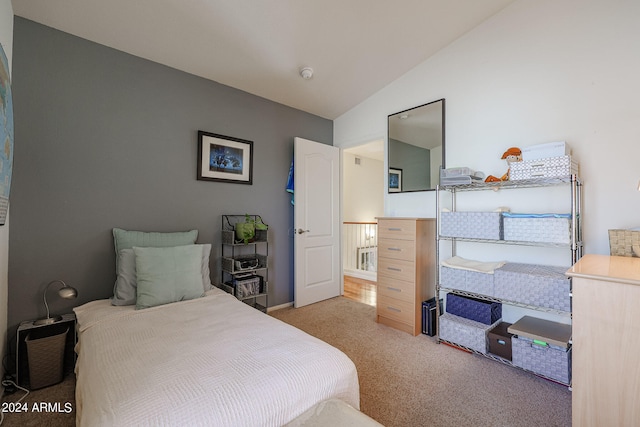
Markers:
<point>397,269</point>
<point>404,229</point>
<point>394,288</point>
<point>392,308</point>
<point>397,249</point>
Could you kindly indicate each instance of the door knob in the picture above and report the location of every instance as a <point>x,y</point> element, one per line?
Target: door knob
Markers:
<point>301,231</point>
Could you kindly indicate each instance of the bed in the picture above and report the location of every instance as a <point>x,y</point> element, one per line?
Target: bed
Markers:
<point>209,360</point>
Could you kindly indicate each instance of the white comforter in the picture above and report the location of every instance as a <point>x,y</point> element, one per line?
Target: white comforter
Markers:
<point>211,361</point>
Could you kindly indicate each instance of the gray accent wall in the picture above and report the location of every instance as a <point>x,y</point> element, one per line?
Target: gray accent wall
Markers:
<point>415,163</point>
<point>105,139</point>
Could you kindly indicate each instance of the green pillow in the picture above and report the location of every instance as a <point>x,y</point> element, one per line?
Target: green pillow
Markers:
<point>124,239</point>
<point>167,275</point>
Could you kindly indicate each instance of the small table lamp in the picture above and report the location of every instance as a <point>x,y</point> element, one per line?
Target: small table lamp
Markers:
<point>66,292</point>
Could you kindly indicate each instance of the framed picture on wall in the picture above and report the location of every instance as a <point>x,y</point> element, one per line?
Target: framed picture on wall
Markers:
<point>395,180</point>
<point>224,158</point>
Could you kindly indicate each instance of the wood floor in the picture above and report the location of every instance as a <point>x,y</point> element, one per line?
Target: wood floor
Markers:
<point>360,290</point>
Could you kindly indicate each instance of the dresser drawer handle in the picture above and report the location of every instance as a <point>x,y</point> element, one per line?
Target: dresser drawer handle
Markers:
<point>394,229</point>
<point>397,310</point>
<point>394,249</point>
<point>394,289</point>
<point>394,269</point>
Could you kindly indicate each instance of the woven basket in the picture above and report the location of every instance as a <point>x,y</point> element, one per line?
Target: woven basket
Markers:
<point>623,242</point>
<point>46,359</point>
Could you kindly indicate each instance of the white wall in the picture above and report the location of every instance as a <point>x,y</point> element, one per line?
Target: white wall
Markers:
<point>362,198</point>
<point>6,38</point>
<point>536,72</point>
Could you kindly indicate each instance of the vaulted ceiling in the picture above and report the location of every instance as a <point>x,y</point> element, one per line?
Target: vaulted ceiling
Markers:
<point>355,47</point>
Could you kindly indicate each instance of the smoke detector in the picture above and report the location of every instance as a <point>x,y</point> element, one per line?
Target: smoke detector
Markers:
<point>306,73</point>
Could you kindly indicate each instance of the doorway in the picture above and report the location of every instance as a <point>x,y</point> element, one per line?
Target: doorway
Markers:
<point>362,202</point>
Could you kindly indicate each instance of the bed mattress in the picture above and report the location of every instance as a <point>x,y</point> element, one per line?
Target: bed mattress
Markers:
<point>209,361</point>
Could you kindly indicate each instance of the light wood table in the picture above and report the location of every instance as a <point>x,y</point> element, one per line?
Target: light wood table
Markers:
<point>606,341</point>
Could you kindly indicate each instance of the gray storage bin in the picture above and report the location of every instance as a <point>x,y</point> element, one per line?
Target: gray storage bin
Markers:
<point>545,230</point>
<point>471,225</point>
<point>468,281</point>
<point>550,167</point>
<point>532,284</point>
<point>453,278</point>
<point>550,361</point>
<point>464,332</point>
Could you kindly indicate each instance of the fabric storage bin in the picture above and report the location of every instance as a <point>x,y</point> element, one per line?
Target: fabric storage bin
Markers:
<point>465,280</point>
<point>542,346</point>
<point>499,339</point>
<point>551,167</point>
<point>471,225</point>
<point>547,228</point>
<point>479,283</point>
<point>548,360</point>
<point>624,242</point>
<point>487,312</point>
<point>465,332</point>
<point>248,286</point>
<point>533,284</point>
<point>453,278</point>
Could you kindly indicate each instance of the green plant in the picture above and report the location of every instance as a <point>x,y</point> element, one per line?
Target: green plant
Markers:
<point>246,231</point>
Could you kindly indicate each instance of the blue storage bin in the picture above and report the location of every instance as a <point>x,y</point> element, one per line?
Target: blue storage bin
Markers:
<point>482,311</point>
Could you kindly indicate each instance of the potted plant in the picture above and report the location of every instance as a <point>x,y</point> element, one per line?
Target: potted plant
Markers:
<point>246,231</point>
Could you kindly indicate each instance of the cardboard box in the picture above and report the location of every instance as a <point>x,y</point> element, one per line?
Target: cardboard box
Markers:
<point>500,341</point>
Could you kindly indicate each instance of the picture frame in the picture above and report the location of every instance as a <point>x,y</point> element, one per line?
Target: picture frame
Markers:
<point>395,180</point>
<point>224,158</point>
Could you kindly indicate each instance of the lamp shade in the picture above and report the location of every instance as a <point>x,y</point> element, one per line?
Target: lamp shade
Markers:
<point>66,292</point>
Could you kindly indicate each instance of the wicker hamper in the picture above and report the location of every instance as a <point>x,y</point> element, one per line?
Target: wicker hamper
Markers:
<point>46,359</point>
<point>621,242</point>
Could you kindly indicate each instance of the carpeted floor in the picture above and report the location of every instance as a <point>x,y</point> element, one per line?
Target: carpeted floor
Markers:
<point>51,408</point>
<point>412,381</point>
<point>404,381</point>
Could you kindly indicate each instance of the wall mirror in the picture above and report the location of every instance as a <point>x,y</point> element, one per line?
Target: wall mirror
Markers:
<point>416,148</point>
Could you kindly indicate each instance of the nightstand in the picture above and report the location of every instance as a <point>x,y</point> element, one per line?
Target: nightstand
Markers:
<point>42,333</point>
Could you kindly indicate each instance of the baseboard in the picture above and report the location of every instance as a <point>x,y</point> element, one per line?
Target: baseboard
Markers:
<point>278,307</point>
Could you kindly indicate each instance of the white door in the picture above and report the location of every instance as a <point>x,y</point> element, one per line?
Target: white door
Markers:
<point>316,222</point>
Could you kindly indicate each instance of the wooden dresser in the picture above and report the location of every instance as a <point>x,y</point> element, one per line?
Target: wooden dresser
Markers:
<point>606,341</point>
<point>406,271</point>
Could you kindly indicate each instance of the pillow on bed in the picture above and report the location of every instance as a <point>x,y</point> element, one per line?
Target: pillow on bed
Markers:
<point>124,239</point>
<point>167,275</point>
<point>125,288</point>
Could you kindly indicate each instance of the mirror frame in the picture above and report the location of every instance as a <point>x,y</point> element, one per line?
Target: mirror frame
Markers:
<point>442,162</point>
